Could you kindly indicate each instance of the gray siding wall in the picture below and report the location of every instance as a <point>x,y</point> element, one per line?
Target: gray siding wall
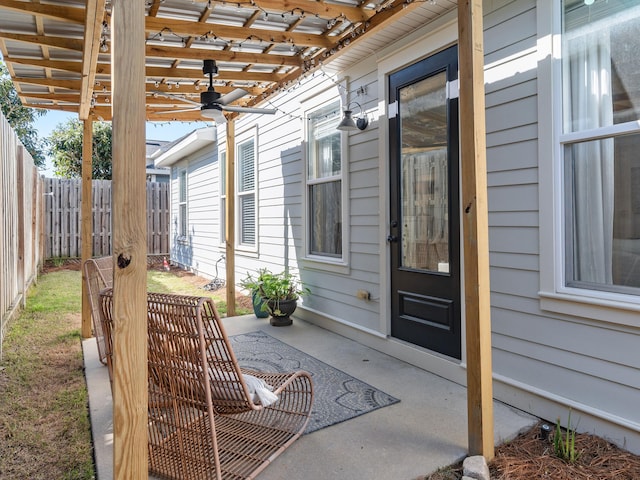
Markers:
<point>574,361</point>
<point>543,362</point>
<point>281,204</point>
<point>201,248</point>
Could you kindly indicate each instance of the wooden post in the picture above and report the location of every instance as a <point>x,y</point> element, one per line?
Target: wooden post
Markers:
<point>129,241</point>
<point>475,229</point>
<point>36,195</point>
<point>86,235</point>
<point>229,222</point>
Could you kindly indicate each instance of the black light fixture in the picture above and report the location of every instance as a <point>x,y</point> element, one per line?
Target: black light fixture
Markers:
<point>348,123</point>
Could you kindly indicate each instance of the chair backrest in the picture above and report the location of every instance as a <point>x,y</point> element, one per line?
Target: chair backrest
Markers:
<point>189,355</point>
<point>98,276</point>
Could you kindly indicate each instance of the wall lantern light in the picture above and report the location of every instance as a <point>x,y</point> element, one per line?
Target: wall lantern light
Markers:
<point>348,123</point>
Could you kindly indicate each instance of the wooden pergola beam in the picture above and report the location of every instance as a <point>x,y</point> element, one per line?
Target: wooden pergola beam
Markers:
<point>230,218</point>
<point>154,72</point>
<point>59,97</point>
<point>66,43</point>
<point>227,75</point>
<point>50,82</point>
<point>319,8</point>
<point>475,228</point>
<point>86,235</point>
<point>154,25</point>
<point>129,242</point>
<point>55,12</point>
<point>90,50</point>
<point>222,55</point>
<point>150,88</point>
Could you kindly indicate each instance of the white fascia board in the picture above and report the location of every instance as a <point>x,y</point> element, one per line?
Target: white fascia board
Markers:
<point>190,143</point>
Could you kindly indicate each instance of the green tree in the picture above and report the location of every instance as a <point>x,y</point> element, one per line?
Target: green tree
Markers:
<point>21,118</point>
<point>65,148</point>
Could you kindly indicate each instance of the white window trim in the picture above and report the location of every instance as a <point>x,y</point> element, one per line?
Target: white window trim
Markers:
<point>587,305</point>
<point>183,238</point>
<point>332,264</point>
<point>242,137</point>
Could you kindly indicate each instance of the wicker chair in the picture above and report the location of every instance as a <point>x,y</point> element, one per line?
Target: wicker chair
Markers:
<point>204,421</point>
<point>98,276</point>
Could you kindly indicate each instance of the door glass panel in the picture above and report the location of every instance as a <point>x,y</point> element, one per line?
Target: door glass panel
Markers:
<point>424,169</point>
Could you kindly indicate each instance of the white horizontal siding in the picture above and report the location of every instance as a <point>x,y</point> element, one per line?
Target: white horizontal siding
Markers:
<point>585,362</point>
<point>582,361</point>
<point>201,249</point>
<point>280,205</point>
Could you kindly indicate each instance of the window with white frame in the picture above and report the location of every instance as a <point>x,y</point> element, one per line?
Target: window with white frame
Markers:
<point>246,193</point>
<point>599,144</point>
<point>222,165</point>
<point>324,182</point>
<point>182,203</point>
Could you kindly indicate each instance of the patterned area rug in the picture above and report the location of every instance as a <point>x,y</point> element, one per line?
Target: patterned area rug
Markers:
<point>337,396</point>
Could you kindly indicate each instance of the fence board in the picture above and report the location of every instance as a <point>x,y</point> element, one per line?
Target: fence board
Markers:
<point>20,221</point>
<point>64,222</point>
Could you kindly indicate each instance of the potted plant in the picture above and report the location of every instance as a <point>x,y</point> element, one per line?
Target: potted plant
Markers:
<point>252,284</point>
<point>279,293</point>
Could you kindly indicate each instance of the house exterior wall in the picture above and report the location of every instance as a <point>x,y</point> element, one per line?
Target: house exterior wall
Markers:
<point>545,362</point>
<point>201,248</point>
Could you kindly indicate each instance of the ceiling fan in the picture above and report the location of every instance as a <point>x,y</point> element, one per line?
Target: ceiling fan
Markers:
<point>212,104</point>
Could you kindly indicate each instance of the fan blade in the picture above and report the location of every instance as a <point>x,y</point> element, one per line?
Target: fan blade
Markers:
<point>231,97</point>
<point>176,111</point>
<point>214,114</point>
<point>176,97</point>
<point>240,109</point>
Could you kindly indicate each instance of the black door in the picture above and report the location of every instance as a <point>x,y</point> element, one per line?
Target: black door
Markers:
<point>424,234</point>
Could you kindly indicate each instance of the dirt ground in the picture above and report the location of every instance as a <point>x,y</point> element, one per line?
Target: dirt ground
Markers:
<point>529,457</point>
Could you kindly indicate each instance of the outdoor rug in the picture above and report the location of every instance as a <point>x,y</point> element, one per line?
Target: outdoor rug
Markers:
<point>337,395</point>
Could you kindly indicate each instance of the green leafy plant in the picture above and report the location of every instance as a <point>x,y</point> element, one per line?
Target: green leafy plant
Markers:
<point>564,446</point>
<point>251,282</point>
<point>274,288</point>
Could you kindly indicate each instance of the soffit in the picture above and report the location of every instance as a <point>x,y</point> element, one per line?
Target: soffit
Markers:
<point>58,52</point>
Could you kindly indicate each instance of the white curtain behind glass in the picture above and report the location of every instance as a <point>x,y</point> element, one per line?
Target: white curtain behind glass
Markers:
<point>588,73</point>
<point>425,209</point>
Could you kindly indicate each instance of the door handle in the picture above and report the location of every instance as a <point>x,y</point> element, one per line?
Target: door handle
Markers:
<point>391,238</point>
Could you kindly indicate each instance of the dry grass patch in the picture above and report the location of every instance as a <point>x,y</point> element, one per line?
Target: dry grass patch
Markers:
<point>44,421</point>
<point>44,426</point>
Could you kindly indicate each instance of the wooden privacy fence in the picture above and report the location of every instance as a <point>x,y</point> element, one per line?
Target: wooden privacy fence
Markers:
<point>20,224</point>
<point>63,217</point>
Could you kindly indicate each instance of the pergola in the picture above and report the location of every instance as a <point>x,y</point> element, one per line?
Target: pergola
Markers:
<point>116,60</point>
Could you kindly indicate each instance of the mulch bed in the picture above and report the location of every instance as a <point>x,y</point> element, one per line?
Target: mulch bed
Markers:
<point>529,457</point>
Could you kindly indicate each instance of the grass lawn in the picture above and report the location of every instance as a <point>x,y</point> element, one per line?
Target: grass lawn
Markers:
<point>44,425</point>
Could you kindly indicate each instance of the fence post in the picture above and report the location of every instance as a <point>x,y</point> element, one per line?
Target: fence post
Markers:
<point>21,283</point>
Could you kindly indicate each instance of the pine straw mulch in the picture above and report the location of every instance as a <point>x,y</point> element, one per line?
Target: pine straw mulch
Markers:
<point>531,457</point>
<point>528,457</point>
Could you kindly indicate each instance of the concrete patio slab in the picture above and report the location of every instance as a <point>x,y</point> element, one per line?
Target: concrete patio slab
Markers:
<point>425,431</point>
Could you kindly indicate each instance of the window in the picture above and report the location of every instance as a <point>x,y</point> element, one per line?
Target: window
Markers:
<point>222,165</point>
<point>182,203</point>
<point>247,193</point>
<point>599,143</point>
<point>324,182</point>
